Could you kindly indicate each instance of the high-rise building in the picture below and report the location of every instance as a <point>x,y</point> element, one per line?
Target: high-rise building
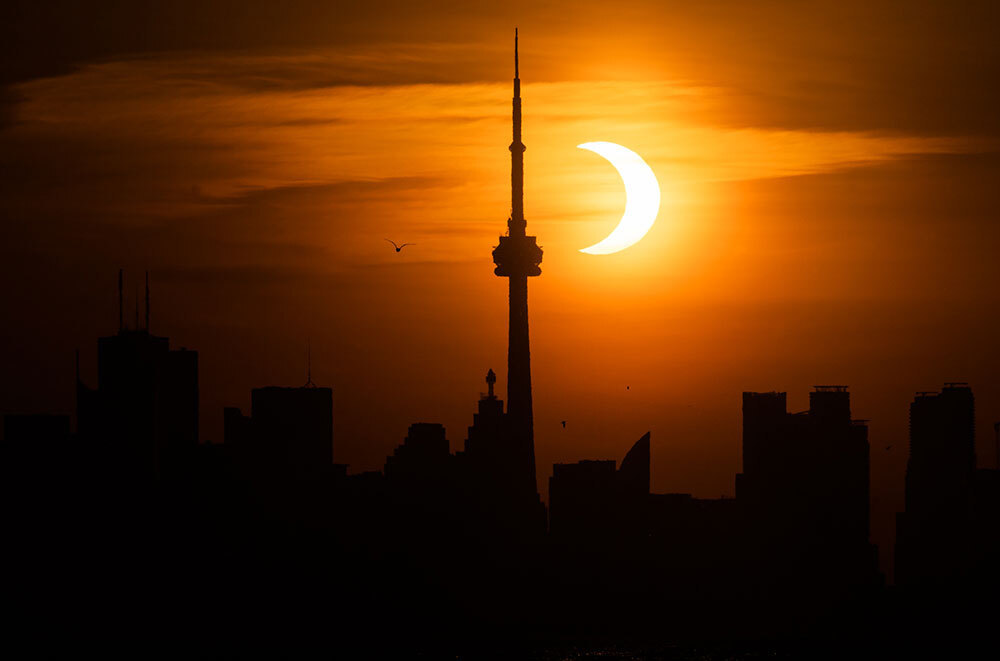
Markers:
<point>282,453</point>
<point>487,435</point>
<point>584,500</point>
<point>592,500</point>
<point>423,458</point>
<point>804,490</point>
<point>293,429</point>
<point>143,415</point>
<point>424,504</point>
<point>986,530</point>
<point>933,542</point>
<point>633,473</point>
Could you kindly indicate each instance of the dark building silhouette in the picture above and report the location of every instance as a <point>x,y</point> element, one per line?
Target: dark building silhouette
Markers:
<point>517,258</point>
<point>986,532</point>
<point>423,512</point>
<point>610,537</point>
<point>597,543</point>
<point>143,416</point>
<point>696,546</point>
<point>487,435</point>
<point>996,444</point>
<point>500,508</point>
<point>235,427</point>
<point>584,500</point>
<point>633,474</point>
<point>286,439</point>
<point>934,533</point>
<point>423,457</point>
<point>298,425</point>
<point>23,430</point>
<point>37,451</point>
<point>593,500</point>
<point>804,491</point>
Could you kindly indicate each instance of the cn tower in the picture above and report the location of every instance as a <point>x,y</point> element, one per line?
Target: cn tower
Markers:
<point>517,258</point>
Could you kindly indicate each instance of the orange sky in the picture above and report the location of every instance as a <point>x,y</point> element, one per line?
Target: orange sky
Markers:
<point>829,215</point>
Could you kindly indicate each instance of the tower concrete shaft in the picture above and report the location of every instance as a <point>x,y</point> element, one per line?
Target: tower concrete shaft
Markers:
<point>517,258</point>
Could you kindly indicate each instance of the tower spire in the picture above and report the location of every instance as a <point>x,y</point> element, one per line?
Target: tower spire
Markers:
<point>516,223</point>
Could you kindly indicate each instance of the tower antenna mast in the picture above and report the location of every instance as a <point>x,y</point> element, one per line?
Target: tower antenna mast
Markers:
<point>121,302</point>
<point>309,367</point>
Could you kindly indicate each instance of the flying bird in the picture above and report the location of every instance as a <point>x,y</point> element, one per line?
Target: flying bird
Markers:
<point>399,247</point>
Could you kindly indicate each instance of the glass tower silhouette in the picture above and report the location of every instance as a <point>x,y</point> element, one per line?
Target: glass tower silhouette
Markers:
<point>517,258</point>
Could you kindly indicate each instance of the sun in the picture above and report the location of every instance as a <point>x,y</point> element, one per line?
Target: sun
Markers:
<point>642,198</point>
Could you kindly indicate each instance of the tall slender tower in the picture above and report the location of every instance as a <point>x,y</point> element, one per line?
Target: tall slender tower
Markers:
<point>517,258</point>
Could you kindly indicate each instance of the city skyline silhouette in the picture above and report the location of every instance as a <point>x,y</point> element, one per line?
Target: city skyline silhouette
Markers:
<point>289,409</point>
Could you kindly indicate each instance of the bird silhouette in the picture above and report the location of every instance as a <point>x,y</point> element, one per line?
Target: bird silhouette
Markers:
<point>401,246</point>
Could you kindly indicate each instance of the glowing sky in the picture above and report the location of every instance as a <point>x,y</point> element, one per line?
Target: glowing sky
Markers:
<point>829,211</point>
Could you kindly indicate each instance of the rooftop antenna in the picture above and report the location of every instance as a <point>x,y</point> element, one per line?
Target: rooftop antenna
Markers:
<point>121,309</point>
<point>136,327</point>
<point>309,368</point>
<point>147,301</point>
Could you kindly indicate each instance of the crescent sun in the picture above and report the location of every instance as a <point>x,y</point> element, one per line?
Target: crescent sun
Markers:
<point>642,197</point>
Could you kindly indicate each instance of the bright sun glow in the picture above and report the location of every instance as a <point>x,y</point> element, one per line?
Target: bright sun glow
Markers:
<point>642,197</point>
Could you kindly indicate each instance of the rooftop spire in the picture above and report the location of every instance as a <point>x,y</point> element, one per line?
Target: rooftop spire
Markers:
<point>516,223</point>
<point>515,53</point>
<point>309,367</point>
<point>491,379</point>
<point>147,301</point>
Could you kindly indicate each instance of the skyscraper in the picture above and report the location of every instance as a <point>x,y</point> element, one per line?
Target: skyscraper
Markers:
<point>517,258</point>
<point>933,534</point>
<point>592,500</point>
<point>293,428</point>
<point>144,411</point>
<point>804,491</point>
